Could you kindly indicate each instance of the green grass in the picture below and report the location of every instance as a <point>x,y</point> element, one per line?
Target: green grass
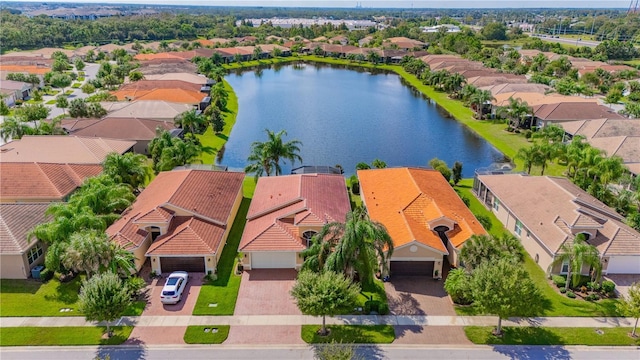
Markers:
<point>68,92</point>
<point>196,334</point>
<point>81,78</point>
<point>355,200</point>
<point>33,298</point>
<point>555,304</point>
<point>76,85</point>
<point>551,336</point>
<point>248,186</point>
<point>375,292</point>
<point>33,101</point>
<point>50,102</point>
<point>81,73</point>
<point>224,291</point>
<point>217,141</point>
<point>350,334</point>
<point>70,335</point>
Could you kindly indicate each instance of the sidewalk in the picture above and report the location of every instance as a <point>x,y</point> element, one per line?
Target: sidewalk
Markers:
<point>396,320</point>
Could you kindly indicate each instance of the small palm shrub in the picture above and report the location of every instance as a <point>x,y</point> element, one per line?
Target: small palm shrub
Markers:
<point>608,287</point>
<point>458,287</point>
<point>571,294</point>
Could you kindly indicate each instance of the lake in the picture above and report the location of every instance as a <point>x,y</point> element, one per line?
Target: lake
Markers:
<point>345,116</point>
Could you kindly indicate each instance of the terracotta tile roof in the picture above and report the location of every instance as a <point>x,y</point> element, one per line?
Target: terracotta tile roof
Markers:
<point>170,95</point>
<point>208,195</point>
<point>158,56</point>
<point>62,149</point>
<point>511,88</point>
<point>183,76</point>
<point>573,111</point>
<point>31,69</point>
<point>560,205</point>
<point>406,200</point>
<point>283,203</point>
<point>42,181</point>
<point>188,235</point>
<point>535,98</point>
<point>16,221</point>
<point>125,128</point>
<point>143,85</point>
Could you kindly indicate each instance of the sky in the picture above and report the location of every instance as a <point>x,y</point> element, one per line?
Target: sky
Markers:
<point>377,3</point>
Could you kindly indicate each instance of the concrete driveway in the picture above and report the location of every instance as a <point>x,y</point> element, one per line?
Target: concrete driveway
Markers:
<point>266,292</point>
<point>623,282</point>
<point>186,304</point>
<point>418,295</point>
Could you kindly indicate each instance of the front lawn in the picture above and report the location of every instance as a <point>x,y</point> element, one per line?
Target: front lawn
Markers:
<point>224,290</point>
<point>33,298</point>
<point>375,292</point>
<point>217,141</point>
<point>70,335</point>
<point>51,102</point>
<point>555,304</point>
<point>197,334</point>
<point>76,85</point>
<point>551,336</point>
<point>350,334</point>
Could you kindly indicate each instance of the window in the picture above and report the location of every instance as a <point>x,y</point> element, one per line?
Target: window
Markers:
<point>518,227</point>
<point>34,253</point>
<point>565,267</point>
<point>496,204</point>
<point>307,236</point>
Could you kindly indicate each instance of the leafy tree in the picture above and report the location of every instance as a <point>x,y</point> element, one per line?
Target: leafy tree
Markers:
<point>527,155</point>
<point>130,168</point>
<point>60,81</point>
<point>95,110</point>
<point>379,164</point>
<point>630,305</point>
<point>88,88</point>
<point>4,109</point>
<point>62,103</point>
<point>504,288</point>
<point>78,108</point>
<point>87,251</point>
<point>79,64</point>
<point>487,248</point>
<point>325,293</point>
<point>357,245</point>
<point>494,31</point>
<point>440,166</point>
<point>576,254</point>
<point>456,172</point>
<point>59,65</point>
<point>104,298</point>
<point>458,286</point>
<point>136,76</point>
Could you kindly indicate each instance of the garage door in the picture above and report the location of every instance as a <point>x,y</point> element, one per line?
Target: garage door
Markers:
<point>188,264</point>
<point>273,260</point>
<point>624,265</point>
<point>411,268</point>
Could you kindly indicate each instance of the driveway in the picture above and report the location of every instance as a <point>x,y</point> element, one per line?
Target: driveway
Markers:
<point>442,335</point>
<point>623,282</point>
<point>184,307</point>
<point>265,334</point>
<point>266,292</point>
<point>418,295</point>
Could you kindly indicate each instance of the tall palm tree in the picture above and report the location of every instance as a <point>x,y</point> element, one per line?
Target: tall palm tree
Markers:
<point>577,254</point>
<point>260,163</point>
<point>180,153</point>
<point>527,155</point>
<point>478,100</point>
<point>454,83</point>
<point>191,121</point>
<point>357,246</point>
<point>104,196</point>
<point>13,128</point>
<point>543,154</point>
<point>130,168</point>
<point>517,111</point>
<point>273,150</point>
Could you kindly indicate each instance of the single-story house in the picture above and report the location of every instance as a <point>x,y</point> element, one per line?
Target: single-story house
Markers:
<point>149,109</point>
<point>546,114</point>
<point>21,90</point>
<point>546,212</point>
<point>18,254</point>
<point>181,221</point>
<point>285,213</point>
<point>426,219</point>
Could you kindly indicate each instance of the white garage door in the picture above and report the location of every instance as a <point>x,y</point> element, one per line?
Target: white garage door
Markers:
<point>273,260</point>
<point>624,265</point>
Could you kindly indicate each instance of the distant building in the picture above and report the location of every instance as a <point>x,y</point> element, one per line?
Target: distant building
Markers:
<point>433,29</point>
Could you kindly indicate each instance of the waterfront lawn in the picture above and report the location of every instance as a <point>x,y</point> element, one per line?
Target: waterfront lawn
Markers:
<point>350,334</point>
<point>224,290</point>
<point>197,335</point>
<point>555,304</point>
<point>69,335</point>
<point>217,141</point>
<point>33,298</point>
<point>527,335</point>
<point>248,186</point>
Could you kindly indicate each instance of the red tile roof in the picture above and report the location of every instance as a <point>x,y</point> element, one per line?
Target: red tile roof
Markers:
<point>188,236</point>
<point>281,204</point>
<point>124,128</point>
<point>42,181</point>
<point>16,220</point>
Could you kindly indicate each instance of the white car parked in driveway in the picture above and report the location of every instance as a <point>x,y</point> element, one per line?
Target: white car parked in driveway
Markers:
<point>173,288</point>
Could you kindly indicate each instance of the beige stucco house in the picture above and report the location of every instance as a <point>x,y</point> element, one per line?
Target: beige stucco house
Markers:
<point>18,253</point>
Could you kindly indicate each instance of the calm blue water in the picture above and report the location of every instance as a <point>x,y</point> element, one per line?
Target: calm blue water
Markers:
<point>346,117</point>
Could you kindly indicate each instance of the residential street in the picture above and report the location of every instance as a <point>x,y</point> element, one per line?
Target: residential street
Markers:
<point>369,352</point>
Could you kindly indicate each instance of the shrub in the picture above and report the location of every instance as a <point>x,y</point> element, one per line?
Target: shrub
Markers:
<point>210,278</point>
<point>528,134</point>
<point>594,286</point>
<point>485,221</point>
<point>571,294</point>
<point>372,305</point>
<point>559,280</point>
<point>46,275</point>
<point>583,289</point>
<point>458,286</point>
<point>135,285</point>
<point>383,309</point>
<point>592,297</point>
<point>563,290</point>
<point>582,281</point>
<point>608,287</point>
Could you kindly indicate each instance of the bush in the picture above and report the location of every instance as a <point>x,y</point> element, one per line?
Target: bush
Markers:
<point>135,285</point>
<point>594,286</point>
<point>563,290</point>
<point>383,309</point>
<point>46,275</point>
<point>571,294</point>
<point>592,297</point>
<point>608,287</point>
<point>559,280</point>
<point>458,286</point>
<point>372,305</point>
<point>582,281</point>
<point>528,134</point>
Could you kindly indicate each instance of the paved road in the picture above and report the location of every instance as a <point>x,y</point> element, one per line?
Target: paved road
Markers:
<point>589,43</point>
<point>195,352</point>
<point>402,320</point>
<point>90,70</point>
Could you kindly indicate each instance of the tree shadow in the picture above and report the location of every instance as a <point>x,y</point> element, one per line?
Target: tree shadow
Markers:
<point>402,330</point>
<point>533,352</point>
<point>222,136</point>
<point>370,352</point>
<point>28,286</point>
<point>138,351</point>
<point>66,293</point>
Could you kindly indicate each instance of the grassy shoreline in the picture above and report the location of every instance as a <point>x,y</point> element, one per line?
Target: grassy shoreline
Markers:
<point>217,141</point>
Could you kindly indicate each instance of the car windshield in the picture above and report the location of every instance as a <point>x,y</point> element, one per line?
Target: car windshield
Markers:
<point>172,281</point>
<point>168,293</point>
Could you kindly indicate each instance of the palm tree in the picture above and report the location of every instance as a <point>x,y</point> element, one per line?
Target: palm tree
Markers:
<point>260,163</point>
<point>130,168</point>
<point>88,251</point>
<point>454,83</point>
<point>122,260</point>
<point>103,196</point>
<point>488,248</point>
<point>13,128</point>
<point>517,111</point>
<point>157,144</point>
<point>269,153</point>
<point>378,164</point>
<point>356,246</point>
<point>373,57</point>
<point>478,100</point>
<point>527,155</point>
<point>193,122</point>
<point>67,219</point>
<point>180,153</point>
<point>468,91</point>
<point>542,154</point>
<point>577,254</point>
